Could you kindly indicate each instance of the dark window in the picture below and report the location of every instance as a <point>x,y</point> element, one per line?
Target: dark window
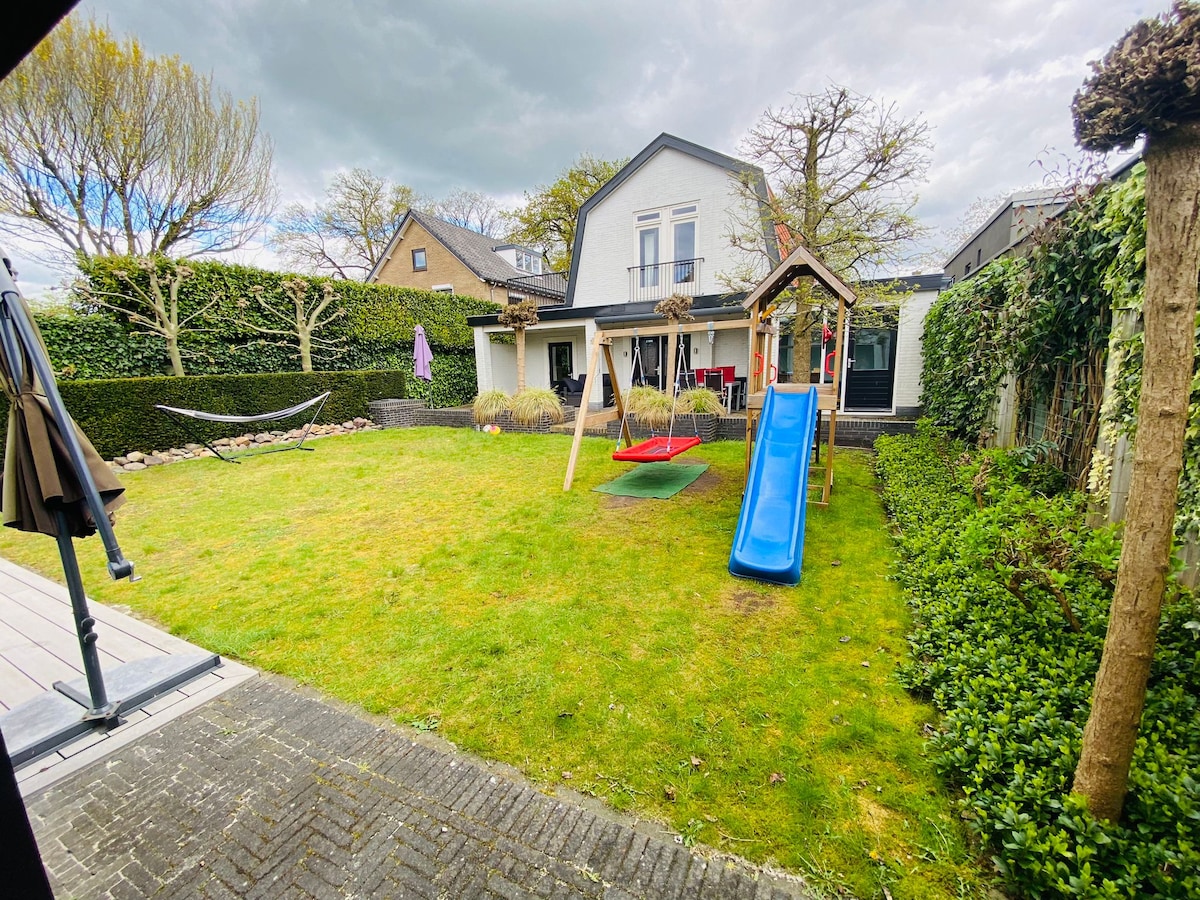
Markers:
<point>419,260</point>
<point>561,363</point>
<point>978,257</point>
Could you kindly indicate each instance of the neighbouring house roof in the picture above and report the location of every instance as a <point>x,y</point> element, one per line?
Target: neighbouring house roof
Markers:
<point>664,141</point>
<point>1035,198</point>
<point>474,250</point>
<point>936,281</point>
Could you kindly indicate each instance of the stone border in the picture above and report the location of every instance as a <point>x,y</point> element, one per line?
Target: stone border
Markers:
<point>135,460</point>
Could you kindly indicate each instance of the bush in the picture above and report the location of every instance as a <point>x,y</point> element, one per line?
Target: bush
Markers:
<point>989,565</point>
<point>118,415</point>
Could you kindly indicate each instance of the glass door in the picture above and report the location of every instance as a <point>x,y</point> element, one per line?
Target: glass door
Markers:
<point>561,364</point>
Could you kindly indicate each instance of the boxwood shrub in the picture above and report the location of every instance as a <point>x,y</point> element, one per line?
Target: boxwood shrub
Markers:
<point>1010,592</point>
<point>118,415</point>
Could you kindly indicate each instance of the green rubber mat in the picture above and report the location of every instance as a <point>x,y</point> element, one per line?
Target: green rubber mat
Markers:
<point>659,480</point>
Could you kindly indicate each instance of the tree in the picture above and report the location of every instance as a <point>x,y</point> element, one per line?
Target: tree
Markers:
<point>474,211</point>
<point>843,167</point>
<point>518,317</point>
<point>346,234</point>
<point>151,301</point>
<point>303,319</point>
<point>106,150</point>
<point>1146,85</point>
<point>551,212</point>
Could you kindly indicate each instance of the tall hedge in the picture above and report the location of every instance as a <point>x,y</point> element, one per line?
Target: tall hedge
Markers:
<point>375,331</point>
<point>118,415</point>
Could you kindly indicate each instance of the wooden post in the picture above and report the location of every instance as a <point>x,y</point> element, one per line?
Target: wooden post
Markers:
<point>581,419</point>
<point>618,398</point>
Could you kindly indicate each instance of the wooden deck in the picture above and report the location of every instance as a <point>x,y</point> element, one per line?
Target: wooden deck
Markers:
<point>38,646</point>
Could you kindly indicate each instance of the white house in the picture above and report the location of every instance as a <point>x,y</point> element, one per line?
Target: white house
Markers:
<point>660,226</point>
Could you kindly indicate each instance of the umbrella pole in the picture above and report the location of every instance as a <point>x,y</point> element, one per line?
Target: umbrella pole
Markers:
<point>101,708</point>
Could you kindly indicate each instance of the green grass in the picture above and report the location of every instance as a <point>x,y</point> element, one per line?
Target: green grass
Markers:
<point>443,578</point>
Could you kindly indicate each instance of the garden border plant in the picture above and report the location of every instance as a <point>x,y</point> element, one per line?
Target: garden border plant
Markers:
<point>1014,678</point>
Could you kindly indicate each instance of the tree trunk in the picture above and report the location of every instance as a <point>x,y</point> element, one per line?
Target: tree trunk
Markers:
<point>305,351</point>
<point>1169,312</point>
<point>520,332</point>
<point>669,373</point>
<point>174,355</point>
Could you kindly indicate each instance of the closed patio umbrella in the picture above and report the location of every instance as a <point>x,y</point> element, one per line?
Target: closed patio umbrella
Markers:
<point>422,355</point>
<point>40,479</point>
<point>54,480</point>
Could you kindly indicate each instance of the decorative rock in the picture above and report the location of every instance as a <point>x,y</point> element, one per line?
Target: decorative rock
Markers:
<point>121,460</point>
<point>135,457</point>
<point>263,437</point>
<point>133,467</point>
<point>153,460</point>
<point>193,447</point>
<point>222,442</point>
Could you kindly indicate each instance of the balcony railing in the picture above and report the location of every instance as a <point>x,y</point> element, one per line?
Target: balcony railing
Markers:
<point>548,289</point>
<point>661,280</point>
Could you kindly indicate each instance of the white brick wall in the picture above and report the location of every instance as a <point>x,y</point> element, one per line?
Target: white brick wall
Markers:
<point>669,178</point>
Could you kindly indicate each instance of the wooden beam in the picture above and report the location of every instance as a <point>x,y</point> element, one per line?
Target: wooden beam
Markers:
<point>618,399</point>
<point>687,328</point>
<point>588,385</point>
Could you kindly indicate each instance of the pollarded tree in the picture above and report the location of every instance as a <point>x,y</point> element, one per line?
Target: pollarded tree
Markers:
<point>551,212</point>
<point>1147,85</point>
<point>302,318</point>
<point>150,299</point>
<point>346,234</point>
<point>106,150</point>
<point>518,317</point>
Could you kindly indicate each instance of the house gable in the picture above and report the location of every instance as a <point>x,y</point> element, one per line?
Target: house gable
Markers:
<point>680,181</point>
<point>443,268</point>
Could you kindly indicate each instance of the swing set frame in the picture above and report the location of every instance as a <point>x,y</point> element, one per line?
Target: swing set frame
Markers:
<point>760,307</point>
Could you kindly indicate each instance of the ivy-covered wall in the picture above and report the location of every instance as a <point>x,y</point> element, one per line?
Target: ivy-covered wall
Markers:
<point>1046,321</point>
<point>221,305</point>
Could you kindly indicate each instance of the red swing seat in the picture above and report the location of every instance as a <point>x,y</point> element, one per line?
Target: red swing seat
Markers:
<point>656,449</point>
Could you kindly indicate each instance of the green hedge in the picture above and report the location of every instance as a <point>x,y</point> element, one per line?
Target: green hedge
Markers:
<point>118,415</point>
<point>988,551</point>
<point>375,330</point>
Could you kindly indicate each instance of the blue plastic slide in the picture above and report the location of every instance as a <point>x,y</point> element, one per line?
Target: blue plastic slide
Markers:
<point>769,542</point>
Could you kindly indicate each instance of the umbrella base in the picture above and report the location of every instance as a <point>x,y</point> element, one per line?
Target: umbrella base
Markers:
<point>43,724</point>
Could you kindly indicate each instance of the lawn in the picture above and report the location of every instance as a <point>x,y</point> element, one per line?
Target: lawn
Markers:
<point>443,578</point>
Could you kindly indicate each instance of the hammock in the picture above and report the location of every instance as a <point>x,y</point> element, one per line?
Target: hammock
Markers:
<point>178,415</point>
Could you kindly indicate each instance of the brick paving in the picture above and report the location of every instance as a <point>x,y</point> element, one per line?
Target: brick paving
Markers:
<point>269,792</point>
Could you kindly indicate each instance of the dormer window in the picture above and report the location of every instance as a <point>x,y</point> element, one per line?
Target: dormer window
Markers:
<point>529,262</point>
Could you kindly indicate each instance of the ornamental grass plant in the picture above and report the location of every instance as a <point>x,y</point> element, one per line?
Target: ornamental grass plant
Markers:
<point>534,405</point>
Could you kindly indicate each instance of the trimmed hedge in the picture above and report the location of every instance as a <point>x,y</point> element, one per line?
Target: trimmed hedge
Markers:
<point>990,552</point>
<point>375,330</point>
<point>118,415</point>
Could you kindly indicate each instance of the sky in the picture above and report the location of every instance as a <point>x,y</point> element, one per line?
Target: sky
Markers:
<point>500,96</point>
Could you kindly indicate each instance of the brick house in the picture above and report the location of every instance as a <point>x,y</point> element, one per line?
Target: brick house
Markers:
<point>434,255</point>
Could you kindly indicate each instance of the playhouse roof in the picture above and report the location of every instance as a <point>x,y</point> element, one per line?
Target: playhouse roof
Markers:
<point>800,263</point>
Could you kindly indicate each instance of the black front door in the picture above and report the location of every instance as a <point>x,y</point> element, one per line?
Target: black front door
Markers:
<point>871,368</point>
<point>561,364</point>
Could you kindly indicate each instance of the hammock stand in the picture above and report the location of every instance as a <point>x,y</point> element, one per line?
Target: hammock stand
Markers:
<point>656,448</point>
<point>181,417</point>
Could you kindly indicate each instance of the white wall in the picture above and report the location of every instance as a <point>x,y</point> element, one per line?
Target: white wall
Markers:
<point>668,179</point>
<point>907,391</point>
